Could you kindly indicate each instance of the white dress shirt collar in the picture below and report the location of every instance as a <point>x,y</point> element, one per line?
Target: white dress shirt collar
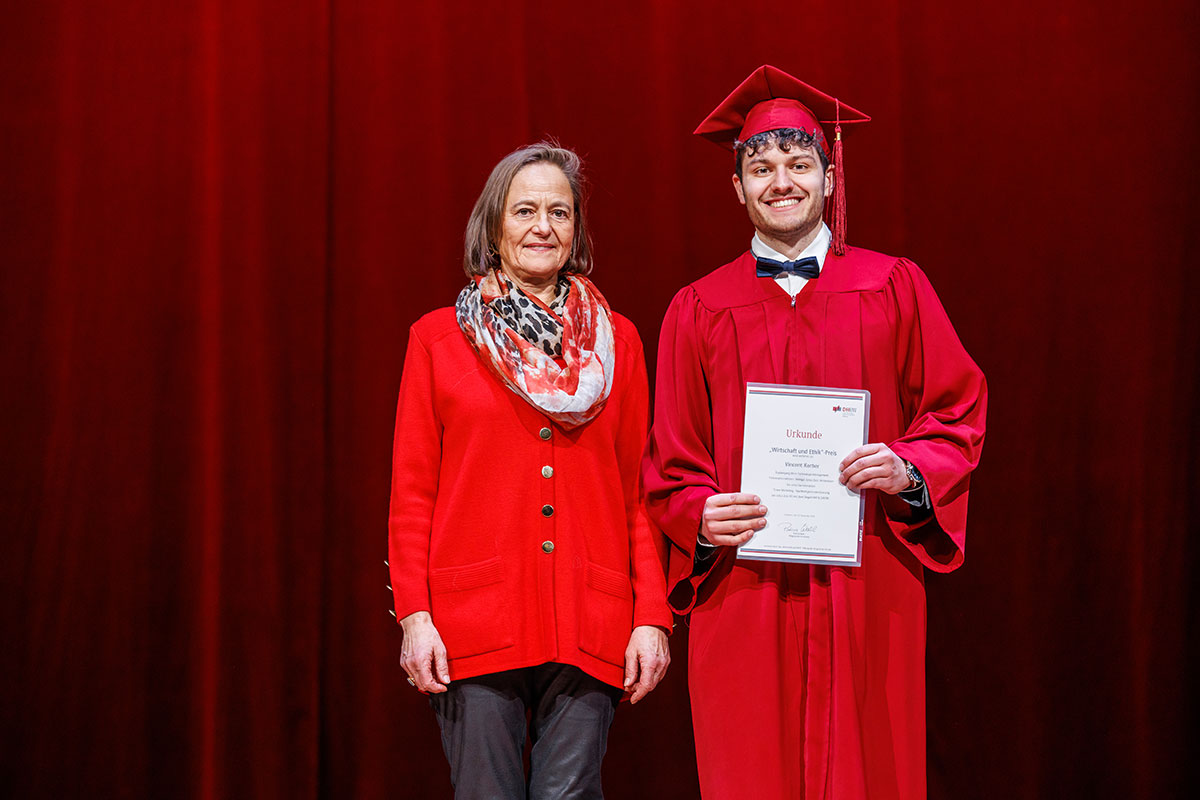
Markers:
<point>818,248</point>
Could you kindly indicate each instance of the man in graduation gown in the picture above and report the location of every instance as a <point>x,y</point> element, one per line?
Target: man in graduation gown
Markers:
<point>808,681</point>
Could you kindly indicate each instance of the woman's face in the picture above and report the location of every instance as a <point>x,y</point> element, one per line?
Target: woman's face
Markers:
<point>538,225</point>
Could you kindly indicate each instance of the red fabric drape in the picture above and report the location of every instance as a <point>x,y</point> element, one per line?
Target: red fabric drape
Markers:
<point>220,218</point>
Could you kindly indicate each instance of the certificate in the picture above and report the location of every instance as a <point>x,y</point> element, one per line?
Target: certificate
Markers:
<point>795,438</point>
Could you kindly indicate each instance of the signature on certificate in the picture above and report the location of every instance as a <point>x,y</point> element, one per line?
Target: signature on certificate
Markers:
<point>790,527</point>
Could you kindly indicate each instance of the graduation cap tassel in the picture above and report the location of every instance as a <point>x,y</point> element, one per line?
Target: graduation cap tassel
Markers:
<point>839,188</point>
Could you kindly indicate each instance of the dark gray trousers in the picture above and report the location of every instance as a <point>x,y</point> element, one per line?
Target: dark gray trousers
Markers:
<point>484,721</point>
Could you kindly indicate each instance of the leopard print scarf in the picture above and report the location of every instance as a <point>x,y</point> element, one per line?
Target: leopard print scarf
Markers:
<point>518,340</point>
<point>529,318</point>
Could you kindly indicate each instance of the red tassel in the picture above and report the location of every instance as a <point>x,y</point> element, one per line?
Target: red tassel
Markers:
<point>839,194</point>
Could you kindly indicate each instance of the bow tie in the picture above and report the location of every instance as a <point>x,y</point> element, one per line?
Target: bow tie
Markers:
<point>804,267</point>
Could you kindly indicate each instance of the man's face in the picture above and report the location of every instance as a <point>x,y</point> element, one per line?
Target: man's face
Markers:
<point>784,191</point>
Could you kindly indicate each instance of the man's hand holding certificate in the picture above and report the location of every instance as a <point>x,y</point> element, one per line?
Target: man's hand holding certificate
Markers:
<point>729,520</point>
<point>798,442</point>
<point>874,466</point>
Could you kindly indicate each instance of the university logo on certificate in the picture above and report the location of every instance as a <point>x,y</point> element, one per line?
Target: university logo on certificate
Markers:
<point>795,438</point>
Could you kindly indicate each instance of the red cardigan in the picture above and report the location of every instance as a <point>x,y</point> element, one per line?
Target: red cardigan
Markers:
<point>526,542</point>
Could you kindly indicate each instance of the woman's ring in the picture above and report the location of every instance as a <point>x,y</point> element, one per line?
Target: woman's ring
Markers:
<point>411,682</point>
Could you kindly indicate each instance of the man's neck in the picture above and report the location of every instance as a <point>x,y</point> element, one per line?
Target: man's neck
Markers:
<point>790,246</point>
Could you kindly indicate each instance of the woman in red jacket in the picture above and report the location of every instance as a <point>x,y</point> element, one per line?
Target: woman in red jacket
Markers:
<point>526,576</point>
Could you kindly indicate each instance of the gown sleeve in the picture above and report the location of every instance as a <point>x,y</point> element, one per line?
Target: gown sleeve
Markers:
<point>416,463</point>
<point>678,469</point>
<point>945,398</point>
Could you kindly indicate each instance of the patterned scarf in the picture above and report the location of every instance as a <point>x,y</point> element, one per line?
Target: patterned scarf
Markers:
<point>518,340</point>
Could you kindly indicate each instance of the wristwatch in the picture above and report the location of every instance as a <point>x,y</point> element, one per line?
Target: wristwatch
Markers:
<point>914,476</point>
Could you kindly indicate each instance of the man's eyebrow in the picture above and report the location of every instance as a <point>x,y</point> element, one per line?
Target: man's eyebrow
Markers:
<point>793,155</point>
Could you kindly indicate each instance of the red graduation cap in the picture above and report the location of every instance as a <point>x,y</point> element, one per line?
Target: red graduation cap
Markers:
<point>770,99</point>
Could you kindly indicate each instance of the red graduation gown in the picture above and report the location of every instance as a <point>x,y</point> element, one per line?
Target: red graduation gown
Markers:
<point>809,681</point>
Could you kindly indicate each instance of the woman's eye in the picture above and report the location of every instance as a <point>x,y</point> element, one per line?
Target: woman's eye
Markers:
<point>524,212</point>
<point>561,213</point>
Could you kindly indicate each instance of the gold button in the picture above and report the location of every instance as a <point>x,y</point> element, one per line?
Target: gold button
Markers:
<point>547,472</point>
<point>544,433</point>
<point>547,547</point>
<point>547,510</point>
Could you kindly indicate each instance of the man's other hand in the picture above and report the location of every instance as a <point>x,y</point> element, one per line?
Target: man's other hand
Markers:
<point>874,466</point>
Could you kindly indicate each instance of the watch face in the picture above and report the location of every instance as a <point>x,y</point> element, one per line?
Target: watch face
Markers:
<point>914,477</point>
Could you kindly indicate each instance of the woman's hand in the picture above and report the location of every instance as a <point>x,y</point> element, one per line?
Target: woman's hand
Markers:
<point>646,660</point>
<point>423,655</point>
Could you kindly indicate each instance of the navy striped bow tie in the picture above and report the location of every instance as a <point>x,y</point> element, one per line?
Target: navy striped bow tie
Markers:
<point>804,267</point>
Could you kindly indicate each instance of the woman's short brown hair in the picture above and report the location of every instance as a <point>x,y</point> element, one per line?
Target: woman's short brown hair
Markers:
<point>483,226</point>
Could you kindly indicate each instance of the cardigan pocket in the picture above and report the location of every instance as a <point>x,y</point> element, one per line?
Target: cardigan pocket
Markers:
<point>467,605</point>
<point>606,615</point>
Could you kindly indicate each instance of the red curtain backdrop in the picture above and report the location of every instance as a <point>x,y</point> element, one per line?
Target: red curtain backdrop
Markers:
<point>220,217</point>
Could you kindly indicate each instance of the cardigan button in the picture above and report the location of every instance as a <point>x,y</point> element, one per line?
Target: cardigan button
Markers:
<point>547,472</point>
<point>544,433</point>
<point>547,547</point>
<point>547,510</point>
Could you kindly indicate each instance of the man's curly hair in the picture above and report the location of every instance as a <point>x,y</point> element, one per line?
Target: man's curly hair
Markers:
<point>783,138</point>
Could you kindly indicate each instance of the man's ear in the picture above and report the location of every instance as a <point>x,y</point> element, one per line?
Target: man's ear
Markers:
<point>829,181</point>
<point>737,187</point>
